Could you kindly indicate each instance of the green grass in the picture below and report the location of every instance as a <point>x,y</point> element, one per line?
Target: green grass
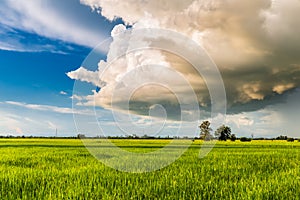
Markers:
<point>64,169</point>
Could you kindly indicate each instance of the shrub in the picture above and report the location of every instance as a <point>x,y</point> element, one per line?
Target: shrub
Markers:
<point>81,136</point>
<point>244,139</point>
<point>233,138</point>
<point>290,139</point>
<point>282,137</point>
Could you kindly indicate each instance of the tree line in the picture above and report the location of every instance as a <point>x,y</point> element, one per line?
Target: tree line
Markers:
<point>223,133</point>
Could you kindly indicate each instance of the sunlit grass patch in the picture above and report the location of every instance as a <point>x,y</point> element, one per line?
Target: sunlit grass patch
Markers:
<point>64,169</point>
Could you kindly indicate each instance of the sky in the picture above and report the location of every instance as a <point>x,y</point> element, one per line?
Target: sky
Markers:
<point>76,66</point>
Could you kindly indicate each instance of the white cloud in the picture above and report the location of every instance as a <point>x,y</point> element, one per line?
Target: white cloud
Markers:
<point>255,58</point>
<point>254,43</point>
<point>272,121</point>
<point>83,74</point>
<point>41,18</point>
<point>11,47</point>
<point>63,93</point>
<point>16,121</point>
<point>77,97</point>
<point>12,41</point>
<point>48,108</point>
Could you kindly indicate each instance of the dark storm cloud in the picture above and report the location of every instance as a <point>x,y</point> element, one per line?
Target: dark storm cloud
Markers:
<point>255,45</point>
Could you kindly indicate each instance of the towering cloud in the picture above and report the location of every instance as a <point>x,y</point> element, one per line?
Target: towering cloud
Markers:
<point>255,44</point>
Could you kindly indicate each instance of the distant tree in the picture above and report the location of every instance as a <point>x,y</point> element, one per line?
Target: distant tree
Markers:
<point>282,137</point>
<point>233,137</point>
<point>244,139</point>
<point>145,136</point>
<point>290,139</point>
<point>80,136</point>
<point>223,132</point>
<point>205,130</point>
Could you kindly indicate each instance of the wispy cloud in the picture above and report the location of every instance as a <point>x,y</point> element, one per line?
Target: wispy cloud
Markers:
<point>13,39</point>
<point>16,122</point>
<point>48,108</point>
<point>63,93</point>
<point>47,19</point>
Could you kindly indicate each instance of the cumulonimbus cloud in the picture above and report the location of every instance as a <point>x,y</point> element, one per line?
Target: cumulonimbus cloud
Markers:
<point>255,44</point>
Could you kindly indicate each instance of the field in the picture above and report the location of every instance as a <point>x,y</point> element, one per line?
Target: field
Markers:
<point>64,169</point>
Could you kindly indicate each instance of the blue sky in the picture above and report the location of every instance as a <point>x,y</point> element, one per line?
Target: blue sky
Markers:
<point>34,64</point>
<point>42,41</point>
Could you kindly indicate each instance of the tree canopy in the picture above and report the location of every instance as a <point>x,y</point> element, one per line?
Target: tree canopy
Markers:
<point>223,133</point>
<point>205,130</point>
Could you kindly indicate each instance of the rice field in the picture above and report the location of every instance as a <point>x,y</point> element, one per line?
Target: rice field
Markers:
<point>64,169</point>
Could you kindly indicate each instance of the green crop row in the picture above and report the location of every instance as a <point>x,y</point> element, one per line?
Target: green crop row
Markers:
<point>64,169</point>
